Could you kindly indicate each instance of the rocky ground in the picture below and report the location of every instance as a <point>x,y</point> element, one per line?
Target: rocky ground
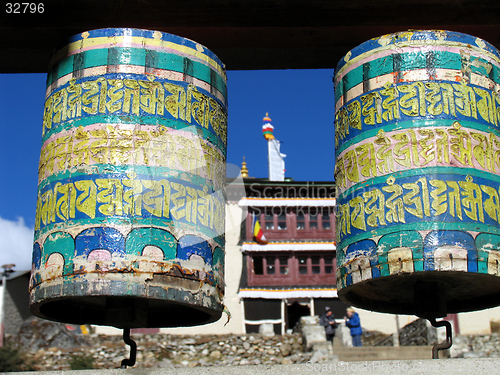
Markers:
<point>52,346</point>
<point>169,351</point>
<point>476,346</point>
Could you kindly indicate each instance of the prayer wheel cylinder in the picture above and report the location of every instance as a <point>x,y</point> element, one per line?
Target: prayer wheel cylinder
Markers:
<point>417,171</point>
<point>130,212</point>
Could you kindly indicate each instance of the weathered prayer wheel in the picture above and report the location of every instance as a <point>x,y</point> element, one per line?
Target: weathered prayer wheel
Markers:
<point>418,174</point>
<point>130,215</point>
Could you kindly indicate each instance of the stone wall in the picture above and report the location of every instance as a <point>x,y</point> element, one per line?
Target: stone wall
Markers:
<point>170,351</point>
<point>476,346</point>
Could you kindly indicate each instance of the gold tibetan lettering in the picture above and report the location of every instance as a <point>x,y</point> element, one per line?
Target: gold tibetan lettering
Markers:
<point>390,103</point>
<point>90,97</point>
<point>372,108</point>
<point>110,195</point>
<point>86,201</point>
<point>60,105</point>
<point>132,197</point>
<point>366,159</point>
<point>352,166</point>
<point>81,147</point>
<point>433,97</point>
<point>427,146</point>
<point>465,100</point>
<point>483,151</point>
<point>384,153</point>
<point>412,103</point>
<point>152,96</point>
<point>344,222</point>
<point>74,100</point>
<point>443,155</point>
<point>358,213</point>
<point>460,144</point>
<point>402,149</point>
<point>131,100</point>
<point>492,203</point>
<point>204,210</point>
<point>191,204</point>
<point>376,214</point>
<point>454,199</point>
<point>48,113</point>
<point>65,204</point>
<point>439,200</point>
<point>485,106</point>
<point>472,199</point>
<point>394,204</point>
<point>115,96</point>
<point>175,103</point>
<point>422,204</point>
<point>354,108</point>
<point>156,200</point>
<point>448,99</point>
<point>178,201</point>
<point>341,125</point>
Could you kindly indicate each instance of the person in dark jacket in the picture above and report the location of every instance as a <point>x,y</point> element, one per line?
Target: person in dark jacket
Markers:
<point>327,320</point>
<point>354,324</point>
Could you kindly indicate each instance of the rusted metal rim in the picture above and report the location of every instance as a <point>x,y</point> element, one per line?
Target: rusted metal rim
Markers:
<point>394,294</point>
<point>123,304</point>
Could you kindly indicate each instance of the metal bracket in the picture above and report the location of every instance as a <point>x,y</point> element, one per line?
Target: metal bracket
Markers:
<point>133,349</point>
<point>445,344</point>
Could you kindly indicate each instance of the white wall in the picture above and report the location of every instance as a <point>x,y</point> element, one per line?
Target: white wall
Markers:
<point>385,323</point>
<point>471,323</point>
<point>478,322</point>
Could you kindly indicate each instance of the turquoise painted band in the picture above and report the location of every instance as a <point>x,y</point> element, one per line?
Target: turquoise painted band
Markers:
<point>139,57</point>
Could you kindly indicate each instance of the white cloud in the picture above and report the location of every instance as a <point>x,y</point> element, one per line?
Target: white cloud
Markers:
<point>16,243</point>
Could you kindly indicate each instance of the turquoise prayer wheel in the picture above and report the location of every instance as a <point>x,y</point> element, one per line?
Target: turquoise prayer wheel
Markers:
<point>130,213</point>
<point>418,174</point>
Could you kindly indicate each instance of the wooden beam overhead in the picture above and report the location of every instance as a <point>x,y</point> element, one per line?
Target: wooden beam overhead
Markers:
<point>257,34</point>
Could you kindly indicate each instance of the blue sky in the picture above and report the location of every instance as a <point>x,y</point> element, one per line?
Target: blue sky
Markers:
<point>299,102</point>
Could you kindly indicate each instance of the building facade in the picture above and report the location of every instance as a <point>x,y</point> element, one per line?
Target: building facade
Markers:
<point>292,273</point>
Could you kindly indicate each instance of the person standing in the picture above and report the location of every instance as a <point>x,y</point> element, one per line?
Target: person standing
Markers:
<point>353,322</point>
<point>327,320</point>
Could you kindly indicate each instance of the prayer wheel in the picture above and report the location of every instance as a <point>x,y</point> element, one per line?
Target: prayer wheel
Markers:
<point>130,212</point>
<point>418,174</point>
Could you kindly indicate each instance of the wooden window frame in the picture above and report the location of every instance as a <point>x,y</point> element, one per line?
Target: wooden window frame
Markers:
<point>293,276</point>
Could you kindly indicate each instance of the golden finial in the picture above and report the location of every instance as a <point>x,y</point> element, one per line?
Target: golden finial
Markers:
<point>244,170</point>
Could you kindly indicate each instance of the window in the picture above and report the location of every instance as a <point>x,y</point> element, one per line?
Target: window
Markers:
<point>284,266</point>
<point>315,265</point>
<point>328,264</point>
<point>269,219</point>
<point>313,218</point>
<point>313,221</point>
<point>270,263</point>
<point>266,265</point>
<point>274,219</point>
<point>282,221</point>
<point>258,265</point>
<point>303,265</point>
<point>301,221</point>
<point>291,268</point>
<point>325,220</point>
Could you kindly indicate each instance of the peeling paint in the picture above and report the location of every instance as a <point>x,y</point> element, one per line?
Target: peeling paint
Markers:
<point>416,131</point>
<point>131,207</point>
